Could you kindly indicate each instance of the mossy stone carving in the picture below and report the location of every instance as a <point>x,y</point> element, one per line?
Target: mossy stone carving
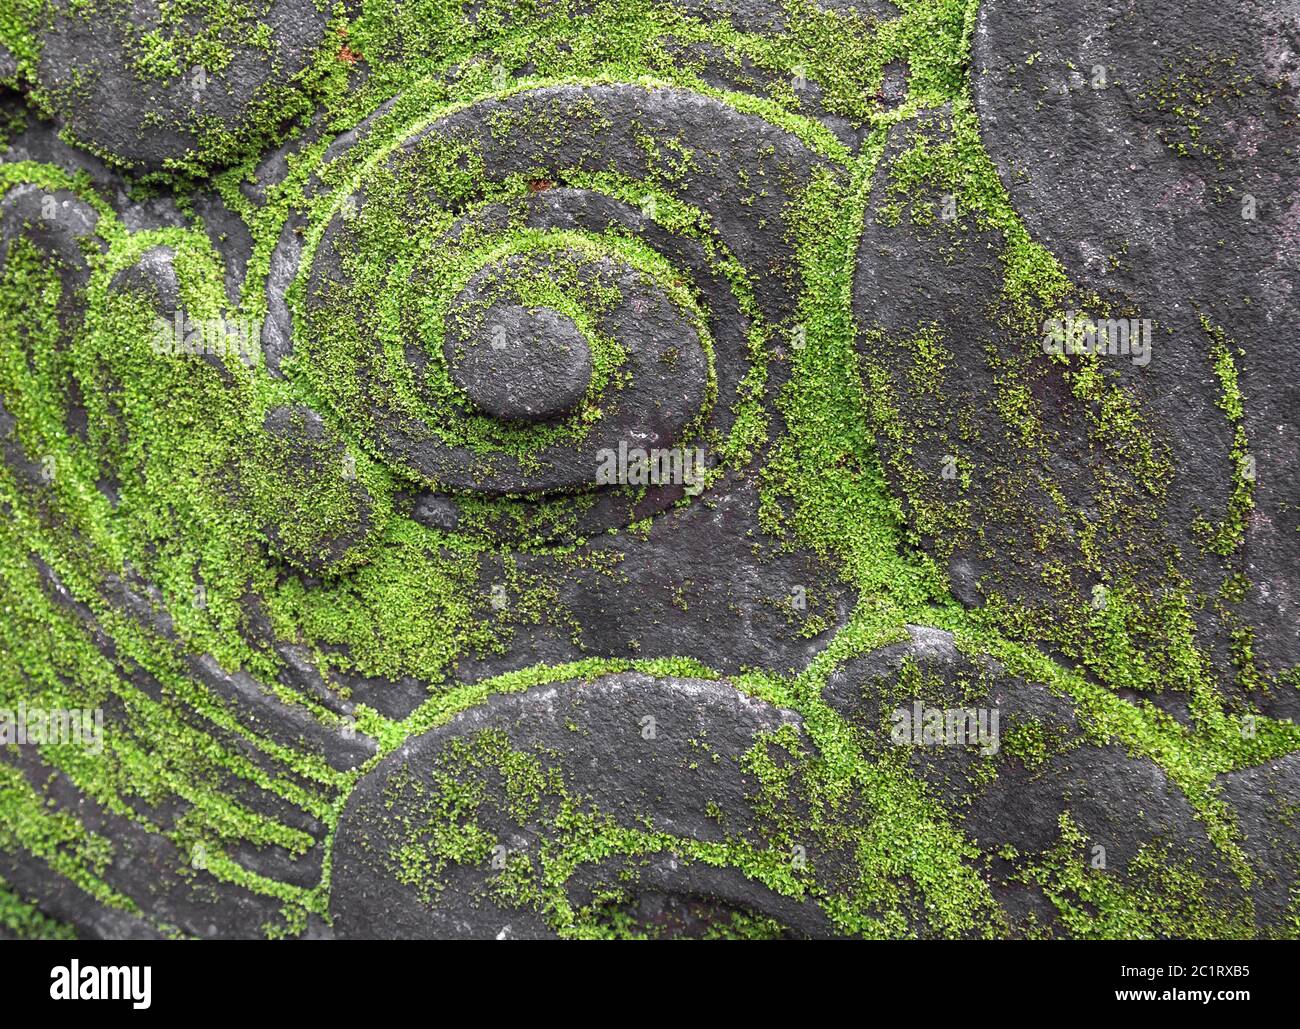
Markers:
<point>704,468</point>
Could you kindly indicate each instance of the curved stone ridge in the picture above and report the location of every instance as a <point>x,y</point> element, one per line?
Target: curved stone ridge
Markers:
<point>1033,783</point>
<point>152,87</point>
<point>674,343</point>
<point>1170,192</point>
<point>466,830</point>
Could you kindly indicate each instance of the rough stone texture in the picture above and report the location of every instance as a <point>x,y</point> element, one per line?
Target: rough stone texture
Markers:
<point>1117,802</point>
<point>532,365</point>
<point>142,120</point>
<point>677,745</point>
<point>1266,799</point>
<point>1133,139</point>
<point>380,653</point>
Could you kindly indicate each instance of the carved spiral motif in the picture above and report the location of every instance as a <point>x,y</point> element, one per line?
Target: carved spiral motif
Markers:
<point>547,295</point>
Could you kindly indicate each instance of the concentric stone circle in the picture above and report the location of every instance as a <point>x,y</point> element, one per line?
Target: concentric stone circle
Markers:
<point>526,364</point>
<point>672,341</point>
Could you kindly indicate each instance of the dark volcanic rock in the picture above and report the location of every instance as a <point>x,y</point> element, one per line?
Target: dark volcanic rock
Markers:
<point>147,115</point>
<point>1022,773</point>
<point>469,459</point>
<point>446,831</point>
<point>1156,150</point>
<point>1266,800</point>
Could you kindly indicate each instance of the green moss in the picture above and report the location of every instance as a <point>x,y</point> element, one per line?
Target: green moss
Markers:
<point>26,922</point>
<point>1227,537</point>
<point>1158,897</point>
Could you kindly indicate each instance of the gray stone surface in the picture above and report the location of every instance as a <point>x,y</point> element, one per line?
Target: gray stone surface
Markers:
<point>1134,140</point>
<point>1011,795</point>
<point>527,364</point>
<point>568,766</point>
<point>641,754</point>
<point>107,102</point>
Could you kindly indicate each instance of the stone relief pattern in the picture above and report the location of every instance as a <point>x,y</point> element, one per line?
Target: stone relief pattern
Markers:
<point>697,469</point>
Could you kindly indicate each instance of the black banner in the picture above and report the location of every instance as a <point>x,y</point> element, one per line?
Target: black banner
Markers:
<point>141,979</point>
